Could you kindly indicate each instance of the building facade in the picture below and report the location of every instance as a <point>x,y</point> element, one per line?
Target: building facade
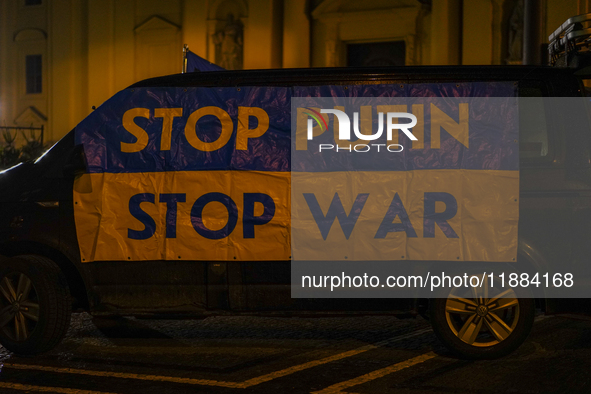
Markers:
<point>59,58</point>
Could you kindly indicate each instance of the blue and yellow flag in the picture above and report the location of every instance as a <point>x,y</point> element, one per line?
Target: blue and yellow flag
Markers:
<point>210,174</point>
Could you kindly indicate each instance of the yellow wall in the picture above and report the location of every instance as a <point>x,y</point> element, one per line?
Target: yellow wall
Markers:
<point>93,48</point>
<point>477,46</point>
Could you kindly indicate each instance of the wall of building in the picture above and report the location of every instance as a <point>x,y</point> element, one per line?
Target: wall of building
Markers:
<point>93,48</point>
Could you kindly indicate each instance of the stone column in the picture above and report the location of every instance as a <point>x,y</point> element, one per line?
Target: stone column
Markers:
<point>532,31</point>
<point>445,32</point>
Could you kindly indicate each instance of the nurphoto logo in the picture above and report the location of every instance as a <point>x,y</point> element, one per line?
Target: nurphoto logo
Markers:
<point>345,129</point>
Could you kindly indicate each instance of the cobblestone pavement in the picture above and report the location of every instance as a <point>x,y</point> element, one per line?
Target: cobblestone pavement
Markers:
<point>368,355</point>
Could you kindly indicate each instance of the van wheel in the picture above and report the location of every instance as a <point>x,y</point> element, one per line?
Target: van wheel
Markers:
<point>35,307</point>
<point>477,325</point>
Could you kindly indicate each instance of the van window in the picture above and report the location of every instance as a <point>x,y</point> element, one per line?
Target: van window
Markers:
<point>533,128</point>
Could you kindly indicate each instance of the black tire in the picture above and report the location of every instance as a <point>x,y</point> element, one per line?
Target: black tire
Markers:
<point>491,339</point>
<point>47,300</point>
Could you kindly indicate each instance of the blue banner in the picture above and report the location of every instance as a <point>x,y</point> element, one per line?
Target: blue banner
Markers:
<point>249,128</point>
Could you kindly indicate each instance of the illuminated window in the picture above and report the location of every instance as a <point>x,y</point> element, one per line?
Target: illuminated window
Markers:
<point>33,70</point>
<point>533,131</point>
<point>533,128</point>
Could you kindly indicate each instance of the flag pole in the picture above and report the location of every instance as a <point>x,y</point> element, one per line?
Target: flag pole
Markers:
<point>185,49</point>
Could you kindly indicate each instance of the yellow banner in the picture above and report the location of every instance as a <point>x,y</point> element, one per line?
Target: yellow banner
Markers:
<point>445,215</point>
<point>457,215</point>
<point>185,215</point>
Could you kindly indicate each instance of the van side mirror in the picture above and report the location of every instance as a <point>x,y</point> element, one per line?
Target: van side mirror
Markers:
<point>76,163</point>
